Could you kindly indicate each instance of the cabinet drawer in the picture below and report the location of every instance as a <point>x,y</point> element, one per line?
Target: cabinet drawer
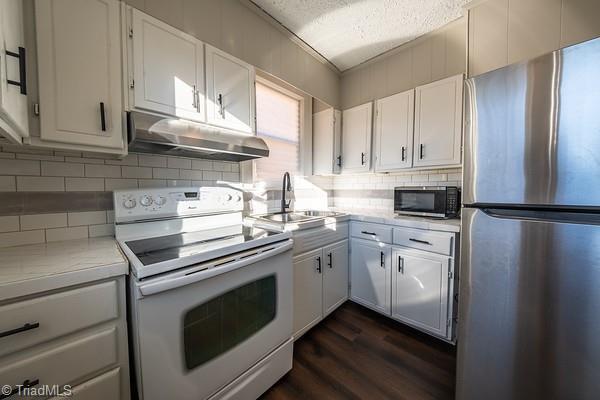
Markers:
<point>376,232</point>
<point>103,387</point>
<point>63,364</point>
<point>437,242</point>
<point>27,323</point>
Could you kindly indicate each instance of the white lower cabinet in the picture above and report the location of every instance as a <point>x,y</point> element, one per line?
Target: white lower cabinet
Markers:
<point>320,284</point>
<point>420,283</point>
<point>370,274</point>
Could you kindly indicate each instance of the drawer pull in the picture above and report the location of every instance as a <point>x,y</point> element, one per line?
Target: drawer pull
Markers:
<point>26,384</point>
<point>27,327</point>
<point>368,233</point>
<point>419,241</point>
<point>382,260</point>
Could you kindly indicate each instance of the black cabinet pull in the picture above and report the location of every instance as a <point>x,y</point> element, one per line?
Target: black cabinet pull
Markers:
<point>339,161</point>
<point>319,264</point>
<point>419,241</point>
<point>362,158</point>
<point>330,263</point>
<point>221,108</point>
<point>382,259</point>
<point>26,384</point>
<point>421,150</point>
<point>27,327</point>
<point>102,117</point>
<point>368,233</point>
<point>22,83</point>
<point>400,264</point>
<point>403,153</point>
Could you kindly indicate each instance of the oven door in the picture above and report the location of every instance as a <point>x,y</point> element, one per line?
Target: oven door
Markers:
<point>424,202</point>
<point>198,329</point>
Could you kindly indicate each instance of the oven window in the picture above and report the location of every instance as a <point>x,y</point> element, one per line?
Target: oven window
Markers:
<point>421,201</point>
<point>220,324</point>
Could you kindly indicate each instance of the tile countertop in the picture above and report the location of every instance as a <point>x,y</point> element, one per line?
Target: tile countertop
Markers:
<point>30,269</point>
<point>446,225</point>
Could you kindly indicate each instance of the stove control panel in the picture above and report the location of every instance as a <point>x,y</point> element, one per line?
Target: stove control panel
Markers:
<point>146,204</point>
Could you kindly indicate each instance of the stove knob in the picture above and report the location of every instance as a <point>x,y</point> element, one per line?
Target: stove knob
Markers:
<point>160,200</point>
<point>129,203</point>
<point>228,197</point>
<point>238,198</point>
<point>146,200</point>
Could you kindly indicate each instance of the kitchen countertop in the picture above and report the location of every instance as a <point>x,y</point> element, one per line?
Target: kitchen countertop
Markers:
<point>30,269</point>
<point>447,225</point>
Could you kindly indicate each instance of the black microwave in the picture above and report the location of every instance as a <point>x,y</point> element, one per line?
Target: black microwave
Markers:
<point>439,202</point>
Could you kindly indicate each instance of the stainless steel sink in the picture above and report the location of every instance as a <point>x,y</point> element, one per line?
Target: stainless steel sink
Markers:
<point>294,219</point>
<point>285,217</point>
<point>317,213</point>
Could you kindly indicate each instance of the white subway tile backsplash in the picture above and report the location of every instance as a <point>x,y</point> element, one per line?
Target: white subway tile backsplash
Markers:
<point>102,171</point>
<point>231,176</point>
<point>136,172</point>
<point>129,159</point>
<point>202,164</point>
<point>22,238</point>
<point>111,184</point>
<point>222,166</point>
<point>7,155</point>
<point>152,183</point>
<point>40,184</point>
<point>147,160</point>
<point>8,184</point>
<point>19,167</point>
<point>9,223</point>
<point>191,174</point>
<point>43,221</point>
<point>165,173</point>
<point>84,184</point>
<point>84,160</point>
<point>60,234</point>
<point>211,176</point>
<point>39,157</point>
<point>182,163</point>
<point>87,218</point>
<point>62,169</point>
<point>101,230</point>
<point>178,182</point>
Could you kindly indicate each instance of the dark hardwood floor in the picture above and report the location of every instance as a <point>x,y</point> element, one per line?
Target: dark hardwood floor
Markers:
<point>356,353</point>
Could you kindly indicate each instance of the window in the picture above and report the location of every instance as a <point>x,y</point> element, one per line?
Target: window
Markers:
<point>278,123</point>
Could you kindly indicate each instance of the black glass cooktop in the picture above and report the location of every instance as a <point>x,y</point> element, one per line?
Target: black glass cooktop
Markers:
<point>163,248</point>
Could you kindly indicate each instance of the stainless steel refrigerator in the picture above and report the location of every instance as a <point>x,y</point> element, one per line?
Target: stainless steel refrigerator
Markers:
<point>529,315</point>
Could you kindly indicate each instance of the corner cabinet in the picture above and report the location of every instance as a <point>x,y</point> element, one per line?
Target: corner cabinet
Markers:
<point>394,131</point>
<point>327,157</point>
<point>438,123</point>
<point>371,274</point>
<point>13,73</point>
<point>320,284</point>
<point>356,138</point>
<point>166,69</point>
<point>79,68</point>
<point>230,91</point>
<point>420,289</point>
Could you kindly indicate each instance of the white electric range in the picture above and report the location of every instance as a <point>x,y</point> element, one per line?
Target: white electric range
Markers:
<point>210,298</point>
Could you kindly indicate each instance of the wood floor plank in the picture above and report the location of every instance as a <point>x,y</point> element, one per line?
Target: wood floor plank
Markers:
<point>356,353</point>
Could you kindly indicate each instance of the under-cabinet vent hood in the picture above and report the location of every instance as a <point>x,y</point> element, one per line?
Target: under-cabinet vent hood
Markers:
<point>161,135</point>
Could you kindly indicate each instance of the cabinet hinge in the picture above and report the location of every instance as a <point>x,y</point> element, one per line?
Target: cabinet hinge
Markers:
<point>36,109</point>
<point>130,32</point>
<point>450,275</point>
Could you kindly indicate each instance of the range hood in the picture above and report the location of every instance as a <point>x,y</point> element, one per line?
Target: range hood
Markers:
<point>149,133</point>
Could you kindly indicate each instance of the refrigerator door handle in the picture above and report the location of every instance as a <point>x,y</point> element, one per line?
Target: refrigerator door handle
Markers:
<point>566,215</point>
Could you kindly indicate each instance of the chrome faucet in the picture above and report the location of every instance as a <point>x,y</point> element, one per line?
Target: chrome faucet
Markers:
<point>287,186</point>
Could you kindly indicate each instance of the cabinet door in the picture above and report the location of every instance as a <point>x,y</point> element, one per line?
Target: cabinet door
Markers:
<point>438,123</point>
<point>13,98</point>
<point>308,290</point>
<point>168,69</point>
<point>335,276</point>
<point>230,91</point>
<point>79,64</point>
<point>370,274</point>
<point>356,138</point>
<point>394,131</point>
<point>420,290</point>
<point>326,142</point>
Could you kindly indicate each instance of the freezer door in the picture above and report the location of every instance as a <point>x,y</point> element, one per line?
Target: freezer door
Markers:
<point>529,309</point>
<point>533,131</point>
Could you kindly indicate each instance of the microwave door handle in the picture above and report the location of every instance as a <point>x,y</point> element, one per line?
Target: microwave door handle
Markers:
<point>162,285</point>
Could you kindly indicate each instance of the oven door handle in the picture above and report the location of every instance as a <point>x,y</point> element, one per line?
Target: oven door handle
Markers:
<point>174,282</point>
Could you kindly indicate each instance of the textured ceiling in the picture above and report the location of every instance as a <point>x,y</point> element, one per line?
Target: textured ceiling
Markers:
<point>348,32</point>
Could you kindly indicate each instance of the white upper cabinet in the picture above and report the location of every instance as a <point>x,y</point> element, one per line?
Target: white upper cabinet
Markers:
<point>420,290</point>
<point>394,125</point>
<point>327,158</point>
<point>13,82</point>
<point>230,91</point>
<point>438,123</point>
<point>79,64</point>
<point>167,69</point>
<point>356,138</point>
